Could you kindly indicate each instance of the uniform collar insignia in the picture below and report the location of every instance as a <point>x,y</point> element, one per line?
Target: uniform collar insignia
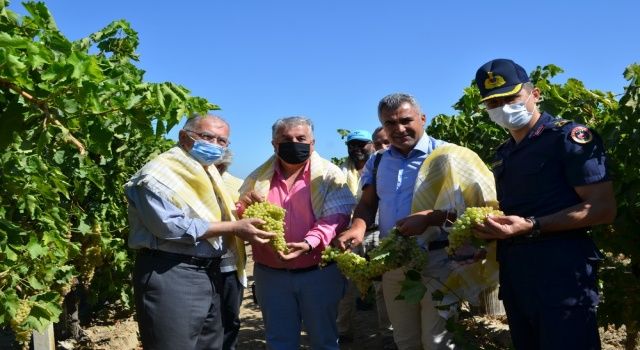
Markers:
<point>537,132</point>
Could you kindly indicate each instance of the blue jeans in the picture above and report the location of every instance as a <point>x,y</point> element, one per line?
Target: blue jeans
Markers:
<point>288,299</point>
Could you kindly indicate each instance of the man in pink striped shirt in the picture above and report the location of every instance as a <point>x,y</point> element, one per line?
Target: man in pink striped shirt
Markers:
<point>291,288</point>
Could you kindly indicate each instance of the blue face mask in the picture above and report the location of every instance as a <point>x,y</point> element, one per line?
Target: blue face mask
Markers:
<point>511,116</point>
<point>206,153</point>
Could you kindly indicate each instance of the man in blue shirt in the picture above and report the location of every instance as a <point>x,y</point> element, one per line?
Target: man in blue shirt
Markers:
<point>552,184</point>
<point>181,224</point>
<point>414,326</point>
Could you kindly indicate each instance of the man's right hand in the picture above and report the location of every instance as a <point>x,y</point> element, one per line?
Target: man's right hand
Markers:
<point>349,238</point>
<point>244,229</point>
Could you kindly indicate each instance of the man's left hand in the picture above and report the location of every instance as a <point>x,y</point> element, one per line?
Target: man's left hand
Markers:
<point>501,227</point>
<point>295,250</point>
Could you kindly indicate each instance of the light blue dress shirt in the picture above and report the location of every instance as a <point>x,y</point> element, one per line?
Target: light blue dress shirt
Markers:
<point>156,223</point>
<point>396,179</point>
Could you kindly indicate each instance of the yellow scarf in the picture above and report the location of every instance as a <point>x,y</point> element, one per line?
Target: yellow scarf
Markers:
<point>454,178</point>
<point>329,192</point>
<point>353,177</point>
<point>202,190</point>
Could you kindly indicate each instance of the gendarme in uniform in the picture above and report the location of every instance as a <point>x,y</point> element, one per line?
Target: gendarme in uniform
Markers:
<point>547,169</point>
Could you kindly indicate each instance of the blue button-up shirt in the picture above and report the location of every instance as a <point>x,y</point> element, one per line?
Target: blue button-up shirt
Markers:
<point>156,223</point>
<point>396,180</point>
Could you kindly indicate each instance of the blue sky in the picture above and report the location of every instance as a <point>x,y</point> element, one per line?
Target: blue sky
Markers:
<point>333,60</point>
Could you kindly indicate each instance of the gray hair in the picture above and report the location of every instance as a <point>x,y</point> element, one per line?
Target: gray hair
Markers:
<point>528,86</point>
<point>224,162</point>
<point>194,120</point>
<point>290,122</point>
<point>394,101</point>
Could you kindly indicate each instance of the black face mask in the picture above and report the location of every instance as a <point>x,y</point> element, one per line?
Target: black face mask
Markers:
<point>294,152</point>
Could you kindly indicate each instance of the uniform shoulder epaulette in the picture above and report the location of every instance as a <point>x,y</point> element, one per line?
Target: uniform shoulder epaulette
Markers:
<point>557,123</point>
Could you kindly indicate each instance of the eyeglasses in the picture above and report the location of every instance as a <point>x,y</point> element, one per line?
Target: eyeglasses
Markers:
<point>222,141</point>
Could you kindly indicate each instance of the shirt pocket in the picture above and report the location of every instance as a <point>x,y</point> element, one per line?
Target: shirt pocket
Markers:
<point>526,179</point>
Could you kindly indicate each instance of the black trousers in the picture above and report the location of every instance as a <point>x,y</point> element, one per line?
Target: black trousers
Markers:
<point>550,293</point>
<point>232,292</point>
<point>177,304</point>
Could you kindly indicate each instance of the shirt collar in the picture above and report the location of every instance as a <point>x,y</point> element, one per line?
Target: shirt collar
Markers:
<point>277,170</point>
<point>424,146</point>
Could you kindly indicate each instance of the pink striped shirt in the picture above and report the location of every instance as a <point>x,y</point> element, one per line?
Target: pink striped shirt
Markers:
<point>300,222</point>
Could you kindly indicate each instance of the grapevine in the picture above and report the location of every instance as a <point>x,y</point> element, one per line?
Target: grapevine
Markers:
<point>78,120</point>
<point>461,233</point>
<point>273,216</point>
<point>393,252</point>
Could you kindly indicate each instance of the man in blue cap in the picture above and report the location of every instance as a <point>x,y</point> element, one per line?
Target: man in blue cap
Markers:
<point>359,149</point>
<point>553,185</point>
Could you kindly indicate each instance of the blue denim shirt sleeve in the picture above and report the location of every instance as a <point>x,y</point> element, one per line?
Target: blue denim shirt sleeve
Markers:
<point>163,219</point>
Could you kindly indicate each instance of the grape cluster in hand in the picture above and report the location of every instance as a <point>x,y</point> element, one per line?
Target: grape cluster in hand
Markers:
<point>461,231</point>
<point>393,252</point>
<point>273,216</point>
<point>352,265</point>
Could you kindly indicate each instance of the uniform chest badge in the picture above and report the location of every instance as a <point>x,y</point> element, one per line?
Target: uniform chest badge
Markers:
<point>581,135</point>
<point>560,123</point>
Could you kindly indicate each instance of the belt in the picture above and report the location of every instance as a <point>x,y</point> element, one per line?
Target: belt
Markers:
<point>187,259</point>
<point>524,239</point>
<point>435,245</point>
<point>299,270</point>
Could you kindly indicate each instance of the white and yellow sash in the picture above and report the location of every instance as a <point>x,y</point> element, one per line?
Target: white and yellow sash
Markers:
<point>329,192</point>
<point>454,178</point>
<point>353,177</point>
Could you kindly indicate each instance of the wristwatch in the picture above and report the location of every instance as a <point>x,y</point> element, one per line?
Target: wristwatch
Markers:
<point>535,230</point>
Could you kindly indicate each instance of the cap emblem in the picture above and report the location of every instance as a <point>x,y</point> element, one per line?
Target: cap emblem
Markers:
<point>492,81</point>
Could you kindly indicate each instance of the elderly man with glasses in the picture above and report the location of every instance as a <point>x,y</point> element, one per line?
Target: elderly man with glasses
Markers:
<point>182,222</point>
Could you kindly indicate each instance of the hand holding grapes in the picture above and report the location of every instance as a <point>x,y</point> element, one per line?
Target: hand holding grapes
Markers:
<point>271,218</point>
<point>246,230</point>
<point>249,198</point>
<point>295,250</point>
<point>349,238</point>
<point>501,227</point>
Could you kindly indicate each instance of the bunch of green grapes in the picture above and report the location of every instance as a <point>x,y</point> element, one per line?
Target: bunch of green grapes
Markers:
<point>396,251</point>
<point>393,252</point>
<point>461,231</point>
<point>273,216</point>
<point>22,333</point>
<point>352,265</point>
